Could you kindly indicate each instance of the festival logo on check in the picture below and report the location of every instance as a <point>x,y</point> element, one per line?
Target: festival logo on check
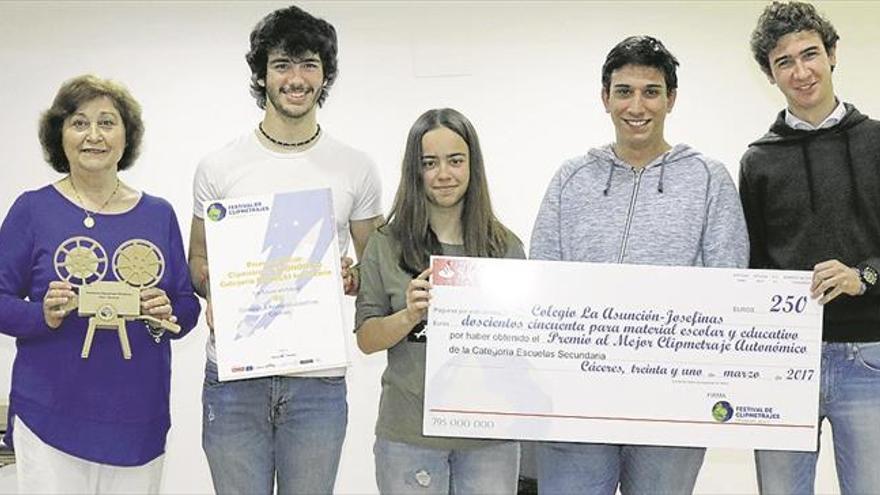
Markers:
<point>722,411</point>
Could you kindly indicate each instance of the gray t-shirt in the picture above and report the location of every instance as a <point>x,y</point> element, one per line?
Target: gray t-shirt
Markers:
<point>383,292</point>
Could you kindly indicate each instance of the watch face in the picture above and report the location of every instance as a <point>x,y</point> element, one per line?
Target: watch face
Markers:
<point>869,275</point>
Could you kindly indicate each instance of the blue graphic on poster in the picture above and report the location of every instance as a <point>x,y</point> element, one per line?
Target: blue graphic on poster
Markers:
<point>293,220</point>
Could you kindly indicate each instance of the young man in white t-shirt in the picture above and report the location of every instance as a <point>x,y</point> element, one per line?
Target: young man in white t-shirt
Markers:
<point>285,427</point>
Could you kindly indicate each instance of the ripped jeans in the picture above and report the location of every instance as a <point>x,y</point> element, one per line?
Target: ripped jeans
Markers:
<point>280,429</point>
<point>403,468</point>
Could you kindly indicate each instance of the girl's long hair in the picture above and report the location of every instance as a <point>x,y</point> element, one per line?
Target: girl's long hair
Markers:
<point>484,235</point>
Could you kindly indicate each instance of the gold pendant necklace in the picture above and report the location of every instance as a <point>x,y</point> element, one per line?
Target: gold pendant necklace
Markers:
<point>89,220</point>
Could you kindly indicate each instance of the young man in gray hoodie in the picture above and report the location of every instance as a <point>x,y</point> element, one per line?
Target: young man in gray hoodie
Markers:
<point>636,201</point>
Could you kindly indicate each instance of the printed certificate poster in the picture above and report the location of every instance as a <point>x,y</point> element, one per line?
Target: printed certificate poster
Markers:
<point>607,353</point>
<point>275,283</point>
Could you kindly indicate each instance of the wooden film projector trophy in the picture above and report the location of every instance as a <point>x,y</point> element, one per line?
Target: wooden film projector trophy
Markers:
<point>137,264</point>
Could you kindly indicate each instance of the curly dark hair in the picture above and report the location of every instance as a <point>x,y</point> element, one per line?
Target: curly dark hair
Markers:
<point>781,18</point>
<point>641,50</point>
<point>294,31</point>
<point>76,92</point>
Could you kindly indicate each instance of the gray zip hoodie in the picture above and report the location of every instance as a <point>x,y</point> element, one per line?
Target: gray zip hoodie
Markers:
<point>682,209</point>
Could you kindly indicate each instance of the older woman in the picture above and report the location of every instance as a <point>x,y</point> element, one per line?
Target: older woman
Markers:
<point>442,207</point>
<point>91,405</point>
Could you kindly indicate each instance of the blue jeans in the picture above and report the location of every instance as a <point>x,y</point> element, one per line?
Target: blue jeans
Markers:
<point>849,398</point>
<point>404,468</point>
<point>597,469</point>
<point>254,430</point>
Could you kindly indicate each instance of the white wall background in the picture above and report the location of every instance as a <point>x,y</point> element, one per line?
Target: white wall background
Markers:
<point>527,75</point>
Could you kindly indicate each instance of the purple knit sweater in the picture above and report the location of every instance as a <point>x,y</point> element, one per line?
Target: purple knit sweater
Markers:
<point>103,409</point>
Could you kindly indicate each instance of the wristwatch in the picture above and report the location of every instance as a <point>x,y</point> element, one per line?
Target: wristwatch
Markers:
<point>868,277</point>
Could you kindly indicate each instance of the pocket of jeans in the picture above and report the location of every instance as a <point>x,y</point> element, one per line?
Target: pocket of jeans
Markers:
<point>332,380</point>
<point>211,379</point>
<point>869,355</point>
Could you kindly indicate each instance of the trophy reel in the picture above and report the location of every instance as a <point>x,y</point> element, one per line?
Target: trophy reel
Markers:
<point>138,263</point>
<point>80,260</point>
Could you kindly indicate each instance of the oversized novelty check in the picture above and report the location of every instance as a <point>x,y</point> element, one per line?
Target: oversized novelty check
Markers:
<point>582,352</point>
<point>276,291</point>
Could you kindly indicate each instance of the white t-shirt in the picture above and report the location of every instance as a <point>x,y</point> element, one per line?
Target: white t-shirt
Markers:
<point>245,167</point>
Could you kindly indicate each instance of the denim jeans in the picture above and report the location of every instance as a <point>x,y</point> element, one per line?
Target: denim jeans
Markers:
<point>256,430</point>
<point>404,468</point>
<point>597,469</point>
<point>849,398</point>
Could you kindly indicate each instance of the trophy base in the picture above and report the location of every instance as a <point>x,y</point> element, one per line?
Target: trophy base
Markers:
<point>117,324</point>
